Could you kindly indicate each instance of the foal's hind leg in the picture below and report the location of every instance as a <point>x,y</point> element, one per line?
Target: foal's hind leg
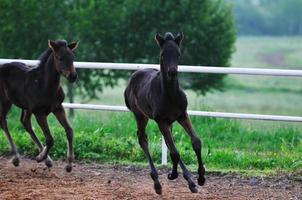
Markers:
<point>143,141</point>
<point>166,131</point>
<point>26,121</point>
<point>5,107</point>
<point>196,143</point>
<point>42,121</point>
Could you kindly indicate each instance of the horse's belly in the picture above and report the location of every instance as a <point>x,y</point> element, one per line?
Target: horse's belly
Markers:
<point>46,109</point>
<point>169,116</point>
<point>14,98</point>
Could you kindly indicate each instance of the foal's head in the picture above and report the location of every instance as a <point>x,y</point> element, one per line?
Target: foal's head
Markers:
<point>63,58</point>
<point>169,53</point>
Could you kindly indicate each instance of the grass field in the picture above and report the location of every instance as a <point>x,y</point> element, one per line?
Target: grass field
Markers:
<point>227,144</point>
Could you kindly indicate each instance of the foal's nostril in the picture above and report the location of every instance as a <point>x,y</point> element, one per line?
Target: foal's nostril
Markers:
<point>72,78</point>
<point>172,73</point>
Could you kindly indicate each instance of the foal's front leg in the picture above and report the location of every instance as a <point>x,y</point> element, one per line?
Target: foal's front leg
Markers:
<point>42,121</point>
<point>166,131</point>
<point>61,116</point>
<point>196,143</point>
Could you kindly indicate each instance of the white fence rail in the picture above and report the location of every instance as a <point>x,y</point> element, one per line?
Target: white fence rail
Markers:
<point>191,112</point>
<point>182,68</point>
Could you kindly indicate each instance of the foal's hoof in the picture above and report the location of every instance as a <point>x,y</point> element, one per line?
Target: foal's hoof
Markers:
<point>172,176</point>
<point>48,162</point>
<point>16,161</point>
<point>41,157</point>
<point>68,168</point>
<point>201,180</point>
<point>157,188</point>
<point>193,188</point>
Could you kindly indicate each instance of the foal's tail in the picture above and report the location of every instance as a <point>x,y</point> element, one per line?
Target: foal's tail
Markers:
<point>2,68</point>
<point>1,71</point>
<point>126,99</point>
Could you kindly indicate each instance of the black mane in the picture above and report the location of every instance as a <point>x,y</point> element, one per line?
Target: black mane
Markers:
<point>45,55</point>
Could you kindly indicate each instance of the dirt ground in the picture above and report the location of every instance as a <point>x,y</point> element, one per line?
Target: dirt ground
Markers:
<point>98,181</point>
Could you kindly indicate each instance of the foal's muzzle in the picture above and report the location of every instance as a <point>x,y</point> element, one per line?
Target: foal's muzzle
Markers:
<point>172,73</point>
<point>72,77</point>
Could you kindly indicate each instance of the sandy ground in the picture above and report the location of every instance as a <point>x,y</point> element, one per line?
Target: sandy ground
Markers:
<point>98,181</point>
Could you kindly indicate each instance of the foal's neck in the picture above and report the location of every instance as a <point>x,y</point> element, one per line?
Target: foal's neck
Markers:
<point>50,74</point>
<point>170,87</point>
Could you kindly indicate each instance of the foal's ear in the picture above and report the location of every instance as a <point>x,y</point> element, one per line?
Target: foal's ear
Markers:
<point>179,37</point>
<point>53,45</point>
<point>159,39</point>
<point>73,45</point>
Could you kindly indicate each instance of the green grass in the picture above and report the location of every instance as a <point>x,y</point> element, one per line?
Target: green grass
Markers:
<point>242,145</point>
<point>226,144</point>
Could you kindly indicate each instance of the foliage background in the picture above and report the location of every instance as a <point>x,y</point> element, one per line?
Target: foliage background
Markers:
<point>120,31</point>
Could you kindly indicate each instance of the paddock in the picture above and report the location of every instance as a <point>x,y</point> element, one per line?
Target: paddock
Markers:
<point>102,181</point>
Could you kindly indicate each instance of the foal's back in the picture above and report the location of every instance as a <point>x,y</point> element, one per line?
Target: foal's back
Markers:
<point>12,70</point>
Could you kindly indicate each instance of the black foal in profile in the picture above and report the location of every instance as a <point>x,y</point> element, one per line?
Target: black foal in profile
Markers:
<point>153,94</point>
<point>38,91</point>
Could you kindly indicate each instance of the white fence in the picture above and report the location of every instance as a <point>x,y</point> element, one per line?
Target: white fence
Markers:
<point>182,68</point>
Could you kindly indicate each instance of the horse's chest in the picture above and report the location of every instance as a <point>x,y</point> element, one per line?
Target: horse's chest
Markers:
<point>169,113</point>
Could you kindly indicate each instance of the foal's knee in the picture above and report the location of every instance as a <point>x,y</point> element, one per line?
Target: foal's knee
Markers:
<point>25,123</point>
<point>69,132</point>
<point>49,141</point>
<point>142,139</point>
<point>196,143</point>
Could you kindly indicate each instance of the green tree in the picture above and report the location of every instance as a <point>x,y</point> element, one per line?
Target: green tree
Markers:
<point>207,25</point>
<point>95,24</point>
<point>120,31</point>
<point>25,26</point>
